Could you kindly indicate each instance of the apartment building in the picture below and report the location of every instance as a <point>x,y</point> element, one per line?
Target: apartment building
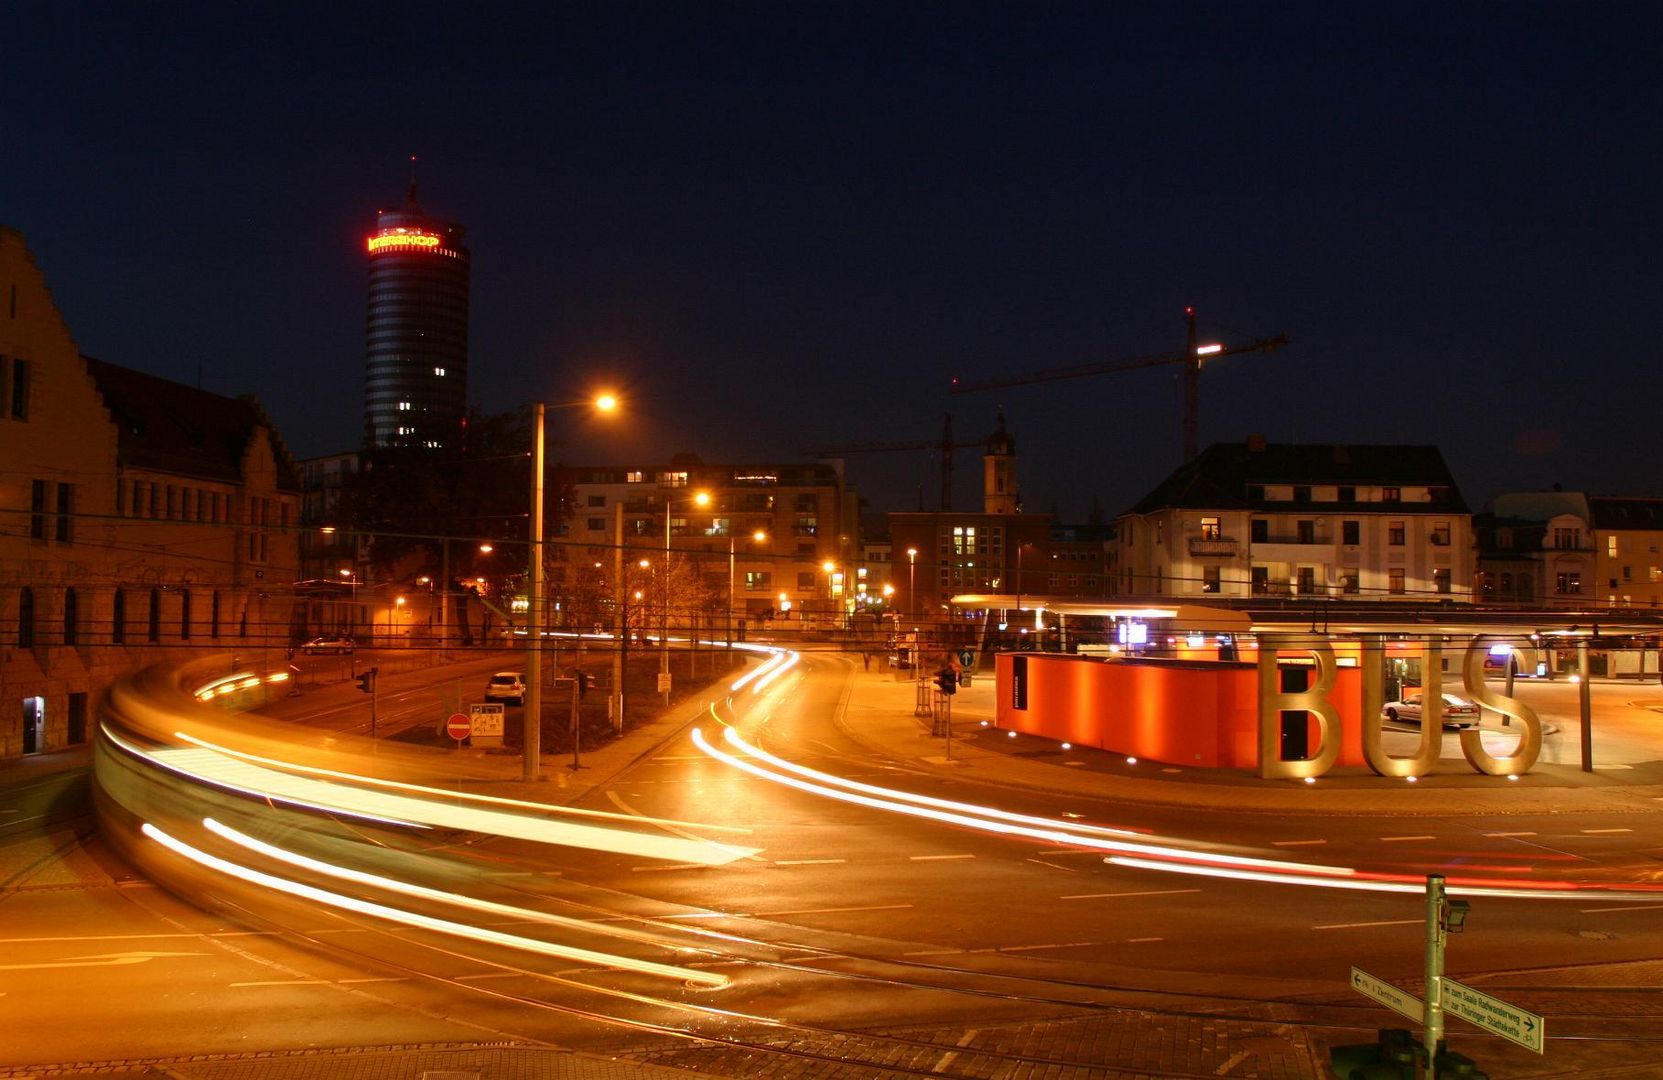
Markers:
<point>1572,549</point>
<point>1300,521</point>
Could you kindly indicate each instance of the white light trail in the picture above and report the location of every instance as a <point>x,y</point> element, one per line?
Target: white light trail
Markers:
<point>208,767</point>
<point>974,817</point>
<point>427,922</point>
<point>484,907</point>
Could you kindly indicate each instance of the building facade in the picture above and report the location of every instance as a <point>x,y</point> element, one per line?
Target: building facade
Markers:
<point>1572,549</point>
<point>416,351</point>
<point>805,562</point>
<point>141,521</point>
<point>1300,521</point>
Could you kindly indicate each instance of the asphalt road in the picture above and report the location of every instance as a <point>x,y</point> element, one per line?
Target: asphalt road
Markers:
<point>846,919</point>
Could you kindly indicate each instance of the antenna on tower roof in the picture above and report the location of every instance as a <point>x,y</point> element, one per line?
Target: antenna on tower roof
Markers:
<point>410,197</point>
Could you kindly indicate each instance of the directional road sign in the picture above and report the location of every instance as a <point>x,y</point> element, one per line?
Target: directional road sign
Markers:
<point>1388,995</point>
<point>1493,1014</point>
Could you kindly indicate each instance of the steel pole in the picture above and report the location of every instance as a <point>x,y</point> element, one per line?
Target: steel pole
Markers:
<point>1585,705</point>
<point>620,613</point>
<point>1434,1036</point>
<point>534,614</point>
<point>664,613</point>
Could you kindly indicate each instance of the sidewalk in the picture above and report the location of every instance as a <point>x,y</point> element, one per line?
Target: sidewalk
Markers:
<point>879,714</point>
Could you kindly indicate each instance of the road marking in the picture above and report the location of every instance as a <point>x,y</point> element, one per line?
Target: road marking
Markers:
<point>671,866</point>
<point>104,960</point>
<point>1055,866</point>
<point>1296,843</point>
<point>131,937</point>
<point>1395,839</point>
<point>937,858</point>
<point>1108,895</point>
<point>1143,940</point>
<point>829,910</point>
<point>934,952</point>
<point>1592,832</point>
<point>281,982</point>
<point>1510,834</point>
<point>383,978</point>
<point>808,862</point>
<point>1232,1061</point>
<point>1360,925</point>
<point>1063,945</point>
<point>1621,907</point>
<point>947,1058</point>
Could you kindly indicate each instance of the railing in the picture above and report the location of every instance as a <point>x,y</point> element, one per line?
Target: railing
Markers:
<point>1313,538</point>
<point>1213,545</point>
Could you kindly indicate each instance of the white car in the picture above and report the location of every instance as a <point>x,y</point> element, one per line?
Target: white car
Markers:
<point>506,686</point>
<point>340,646</point>
<point>1458,712</point>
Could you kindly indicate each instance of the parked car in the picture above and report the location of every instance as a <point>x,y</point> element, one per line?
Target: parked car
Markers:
<point>340,646</point>
<point>1458,712</point>
<point>506,686</point>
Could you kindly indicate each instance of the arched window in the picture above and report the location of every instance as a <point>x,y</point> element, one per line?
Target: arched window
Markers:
<point>26,618</point>
<point>72,618</point>
<point>155,614</point>
<point>118,620</point>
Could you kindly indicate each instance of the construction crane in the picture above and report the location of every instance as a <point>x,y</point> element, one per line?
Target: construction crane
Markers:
<point>1191,357</point>
<point>945,445</point>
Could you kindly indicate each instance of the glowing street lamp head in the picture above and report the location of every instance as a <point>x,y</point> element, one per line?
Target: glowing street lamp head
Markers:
<point>346,573</point>
<point>759,536</point>
<point>606,402</point>
<point>912,553</point>
<point>701,498</point>
<point>644,563</point>
<point>486,549</point>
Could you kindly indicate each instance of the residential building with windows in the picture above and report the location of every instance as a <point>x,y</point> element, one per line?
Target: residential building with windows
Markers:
<point>141,521</point>
<point>1576,550</point>
<point>1300,521</point>
<point>805,514</point>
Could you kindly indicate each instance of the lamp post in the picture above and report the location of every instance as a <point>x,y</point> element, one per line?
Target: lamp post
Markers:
<point>604,403</point>
<point>758,536</point>
<point>912,582</point>
<point>699,498</point>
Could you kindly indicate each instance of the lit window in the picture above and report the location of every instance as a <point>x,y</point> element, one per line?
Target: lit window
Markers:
<point>439,371</point>
<point>404,406</point>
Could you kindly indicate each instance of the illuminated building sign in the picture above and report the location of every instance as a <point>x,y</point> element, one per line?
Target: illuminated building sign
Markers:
<point>418,240</point>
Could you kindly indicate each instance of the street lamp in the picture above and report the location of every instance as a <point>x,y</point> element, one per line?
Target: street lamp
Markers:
<point>912,581</point>
<point>604,403</point>
<point>698,498</point>
<point>758,536</point>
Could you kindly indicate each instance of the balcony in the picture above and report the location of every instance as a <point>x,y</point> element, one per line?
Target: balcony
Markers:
<point>1213,545</point>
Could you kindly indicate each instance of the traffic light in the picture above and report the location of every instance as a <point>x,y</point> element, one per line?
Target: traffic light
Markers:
<point>946,681</point>
<point>1392,1057</point>
<point>366,681</point>
<point>583,680</point>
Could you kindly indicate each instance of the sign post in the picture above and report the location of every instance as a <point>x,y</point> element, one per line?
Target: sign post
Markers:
<point>486,721</point>
<point>1493,1014</point>
<point>1387,994</point>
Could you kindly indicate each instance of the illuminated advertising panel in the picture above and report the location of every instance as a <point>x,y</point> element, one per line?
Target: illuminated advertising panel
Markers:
<point>402,240</point>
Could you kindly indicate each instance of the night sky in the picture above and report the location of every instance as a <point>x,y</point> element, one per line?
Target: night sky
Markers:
<point>786,226</point>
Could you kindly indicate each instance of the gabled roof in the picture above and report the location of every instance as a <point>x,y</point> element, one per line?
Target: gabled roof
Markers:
<point>1219,478</point>
<point>174,428</point>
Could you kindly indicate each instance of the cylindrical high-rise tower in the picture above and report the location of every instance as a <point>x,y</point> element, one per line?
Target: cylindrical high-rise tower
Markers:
<point>416,356</point>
